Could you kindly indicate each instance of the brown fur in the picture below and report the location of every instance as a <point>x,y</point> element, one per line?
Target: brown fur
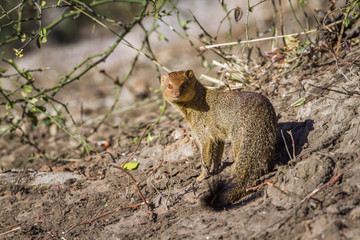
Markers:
<point>246,118</point>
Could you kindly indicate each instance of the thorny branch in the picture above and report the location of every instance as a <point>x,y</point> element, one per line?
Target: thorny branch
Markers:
<point>47,95</point>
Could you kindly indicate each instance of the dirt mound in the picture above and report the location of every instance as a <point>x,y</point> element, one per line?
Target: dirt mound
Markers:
<point>312,193</point>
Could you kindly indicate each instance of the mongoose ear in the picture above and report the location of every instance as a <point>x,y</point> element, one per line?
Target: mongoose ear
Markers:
<point>163,77</point>
<point>190,74</point>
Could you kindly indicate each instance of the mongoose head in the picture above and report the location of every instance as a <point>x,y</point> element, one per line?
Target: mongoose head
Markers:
<point>179,86</point>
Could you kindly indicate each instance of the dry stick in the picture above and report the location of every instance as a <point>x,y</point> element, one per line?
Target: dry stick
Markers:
<point>334,53</point>
<point>217,51</point>
<point>153,171</point>
<point>198,23</point>
<point>221,22</point>
<point>293,143</point>
<point>12,230</point>
<point>322,72</point>
<point>349,93</point>
<point>331,182</point>
<point>260,185</point>
<point>276,187</point>
<point>104,214</point>
<point>282,134</point>
<point>17,226</point>
<point>274,28</point>
<point>120,86</point>
<point>341,32</point>
<point>134,181</point>
<point>297,20</point>
<point>255,40</point>
<point>281,21</point>
<point>144,201</point>
<point>269,183</point>
<point>265,39</point>
<point>137,147</point>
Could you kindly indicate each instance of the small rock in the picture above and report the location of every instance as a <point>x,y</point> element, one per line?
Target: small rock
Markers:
<point>181,149</point>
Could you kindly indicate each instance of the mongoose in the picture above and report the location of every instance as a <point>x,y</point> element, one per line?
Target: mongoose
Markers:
<point>247,119</point>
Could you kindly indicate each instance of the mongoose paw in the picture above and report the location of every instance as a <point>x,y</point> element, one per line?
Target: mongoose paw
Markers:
<point>202,176</point>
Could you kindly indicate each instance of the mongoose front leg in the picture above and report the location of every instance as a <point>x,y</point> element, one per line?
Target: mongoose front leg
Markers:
<point>211,152</point>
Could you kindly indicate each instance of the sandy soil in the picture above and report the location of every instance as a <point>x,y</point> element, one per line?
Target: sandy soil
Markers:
<point>311,194</point>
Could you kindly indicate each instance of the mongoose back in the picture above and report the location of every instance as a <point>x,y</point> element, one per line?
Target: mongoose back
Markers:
<point>247,119</point>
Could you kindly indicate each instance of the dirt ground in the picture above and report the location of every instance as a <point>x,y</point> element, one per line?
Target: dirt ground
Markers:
<point>311,194</point>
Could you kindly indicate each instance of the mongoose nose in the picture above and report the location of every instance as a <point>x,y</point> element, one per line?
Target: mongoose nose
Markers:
<point>177,94</point>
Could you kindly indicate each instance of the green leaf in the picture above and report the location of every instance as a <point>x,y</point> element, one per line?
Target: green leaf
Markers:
<point>43,32</point>
<point>161,36</point>
<point>27,76</point>
<point>131,165</point>
<point>27,88</point>
<point>43,3</point>
<point>347,22</point>
<point>60,119</point>
<point>9,105</point>
<point>47,121</point>
<point>59,2</point>
<point>23,37</point>
<point>42,37</point>
<point>204,63</point>
<point>135,140</point>
<point>184,23</point>
<point>18,53</point>
<point>33,100</point>
<point>45,98</point>
<point>3,70</point>
<point>149,138</point>
<point>38,42</point>
<point>24,94</point>
<point>298,102</point>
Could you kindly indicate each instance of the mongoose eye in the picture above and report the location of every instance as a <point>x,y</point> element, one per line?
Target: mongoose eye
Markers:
<point>170,86</point>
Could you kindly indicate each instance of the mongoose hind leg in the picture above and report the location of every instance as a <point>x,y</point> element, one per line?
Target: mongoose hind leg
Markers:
<point>250,164</point>
<point>211,151</point>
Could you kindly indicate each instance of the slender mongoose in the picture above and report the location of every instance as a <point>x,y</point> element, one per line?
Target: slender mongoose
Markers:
<point>247,119</point>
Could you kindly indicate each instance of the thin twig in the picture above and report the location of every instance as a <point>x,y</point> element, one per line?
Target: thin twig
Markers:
<point>331,182</point>
<point>221,22</point>
<point>263,39</point>
<point>293,143</point>
<point>153,171</point>
<point>333,52</point>
<point>297,20</point>
<point>260,185</point>
<point>104,214</point>
<point>287,150</point>
<point>10,231</point>
<point>137,147</point>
